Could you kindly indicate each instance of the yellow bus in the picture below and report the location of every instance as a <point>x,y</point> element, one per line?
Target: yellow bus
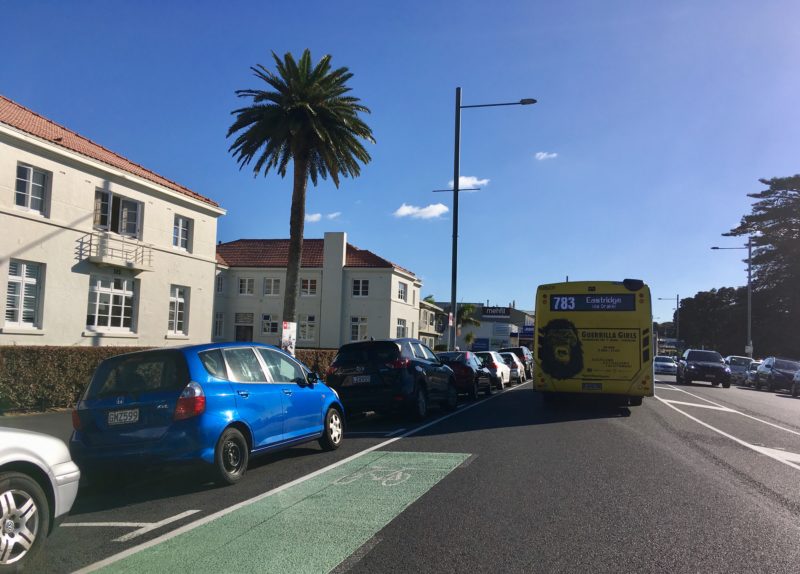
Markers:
<point>594,337</point>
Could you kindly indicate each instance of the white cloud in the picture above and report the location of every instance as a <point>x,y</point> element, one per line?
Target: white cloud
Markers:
<point>430,212</point>
<point>543,155</point>
<point>313,217</point>
<point>333,215</point>
<point>465,181</point>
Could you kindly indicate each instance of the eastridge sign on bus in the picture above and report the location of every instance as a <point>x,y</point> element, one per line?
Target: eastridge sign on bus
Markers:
<point>593,302</point>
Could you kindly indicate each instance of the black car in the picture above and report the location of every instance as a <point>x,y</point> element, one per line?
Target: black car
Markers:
<point>471,376</point>
<point>391,375</point>
<point>776,373</point>
<point>525,355</point>
<point>698,365</point>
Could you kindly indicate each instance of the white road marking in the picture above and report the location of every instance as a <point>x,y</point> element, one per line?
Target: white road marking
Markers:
<point>395,432</point>
<point>780,453</point>
<point>211,517</point>
<point>141,527</point>
<point>794,432</point>
<point>712,407</point>
<point>759,449</point>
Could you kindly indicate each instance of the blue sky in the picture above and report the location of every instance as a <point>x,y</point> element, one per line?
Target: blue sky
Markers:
<point>655,118</point>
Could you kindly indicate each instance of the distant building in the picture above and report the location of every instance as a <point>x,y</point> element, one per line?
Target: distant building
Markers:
<point>345,293</point>
<point>500,327</point>
<point>96,249</point>
<point>432,320</point>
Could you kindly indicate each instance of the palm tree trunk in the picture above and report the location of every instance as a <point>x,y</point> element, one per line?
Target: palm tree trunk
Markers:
<point>296,224</point>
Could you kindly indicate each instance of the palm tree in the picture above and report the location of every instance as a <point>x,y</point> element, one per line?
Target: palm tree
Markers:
<point>305,116</point>
<point>464,316</point>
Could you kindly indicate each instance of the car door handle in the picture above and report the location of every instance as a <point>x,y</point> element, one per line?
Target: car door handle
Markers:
<point>287,392</point>
<point>243,394</point>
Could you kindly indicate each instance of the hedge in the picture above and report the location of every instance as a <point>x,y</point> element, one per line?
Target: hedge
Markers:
<point>39,378</point>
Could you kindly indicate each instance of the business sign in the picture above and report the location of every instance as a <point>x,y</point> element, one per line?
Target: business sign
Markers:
<point>527,331</point>
<point>499,312</point>
<point>480,345</point>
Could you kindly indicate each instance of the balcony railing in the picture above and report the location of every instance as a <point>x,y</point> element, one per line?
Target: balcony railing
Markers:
<point>104,249</point>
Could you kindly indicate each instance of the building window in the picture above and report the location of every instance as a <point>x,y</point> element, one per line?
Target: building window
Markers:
<point>360,287</point>
<point>220,283</point>
<point>219,324</point>
<point>272,286</point>
<point>401,328</point>
<point>246,285</point>
<point>402,291</point>
<point>431,319</point>
<point>178,298</point>
<point>31,188</point>
<point>181,232</point>
<point>307,328</point>
<point>358,328</point>
<point>268,325</point>
<point>111,303</point>
<point>308,287</point>
<point>23,297</point>
<point>115,213</point>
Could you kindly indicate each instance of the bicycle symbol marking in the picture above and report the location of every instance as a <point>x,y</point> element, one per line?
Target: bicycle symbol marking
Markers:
<point>387,476</point>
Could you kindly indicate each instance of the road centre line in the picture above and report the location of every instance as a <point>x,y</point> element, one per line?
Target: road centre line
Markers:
<point>712,407</point>
<point>211,517</point>
<point>766,452</point>
<point>672,388</point>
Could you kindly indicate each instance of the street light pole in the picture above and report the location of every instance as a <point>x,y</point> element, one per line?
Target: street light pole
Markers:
<point>749,247</point>
<point>451,339</point>
<point>677,317</point>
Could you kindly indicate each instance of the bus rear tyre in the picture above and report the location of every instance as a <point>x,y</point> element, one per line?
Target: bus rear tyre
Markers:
<point>635,401</point>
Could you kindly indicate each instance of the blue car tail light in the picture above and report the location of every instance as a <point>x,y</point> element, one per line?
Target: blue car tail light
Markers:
<point>191,402</point>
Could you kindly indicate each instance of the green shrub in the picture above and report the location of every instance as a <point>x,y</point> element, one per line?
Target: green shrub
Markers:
<point>38,378</point>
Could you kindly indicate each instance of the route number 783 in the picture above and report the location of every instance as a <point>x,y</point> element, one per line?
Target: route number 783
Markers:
<point>563,303</point>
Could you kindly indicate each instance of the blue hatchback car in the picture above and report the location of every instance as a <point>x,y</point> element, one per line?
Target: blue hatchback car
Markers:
<point>215,404</point>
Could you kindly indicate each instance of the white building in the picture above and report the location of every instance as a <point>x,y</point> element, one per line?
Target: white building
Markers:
<point>95,249</point>
<point>345,293</point>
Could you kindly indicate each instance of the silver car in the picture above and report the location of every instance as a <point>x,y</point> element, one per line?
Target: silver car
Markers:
<point>38,484</point>
<point>739,366</point>
<point>664,365</point>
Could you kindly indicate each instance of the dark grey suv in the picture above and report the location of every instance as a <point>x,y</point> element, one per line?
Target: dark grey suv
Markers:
<point>390,375</point>
<point>700,365</point>
<point>525,355</point>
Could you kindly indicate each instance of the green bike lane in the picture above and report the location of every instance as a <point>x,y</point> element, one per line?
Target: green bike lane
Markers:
<point>309,527</point>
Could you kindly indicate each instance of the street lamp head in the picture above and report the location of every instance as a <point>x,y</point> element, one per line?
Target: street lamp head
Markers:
<point>715,248</point>
<point>527,101</point>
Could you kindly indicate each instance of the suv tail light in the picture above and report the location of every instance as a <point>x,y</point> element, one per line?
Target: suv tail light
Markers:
<point>76,420</point>
<point>492,365</point>
<point>191,403</point>
<point>399,363</point>
<point>331,369</point>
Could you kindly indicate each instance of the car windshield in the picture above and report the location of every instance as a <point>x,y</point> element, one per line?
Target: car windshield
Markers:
<point>664,360</point>
<point>739,361</point>
<point>139,373</point>
<point>451,357</point>
<point>787,365</point>
<point>371,352</point>
<point>705,356</point>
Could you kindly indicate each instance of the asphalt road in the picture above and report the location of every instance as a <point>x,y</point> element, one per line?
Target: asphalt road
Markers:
<point>697,479</point>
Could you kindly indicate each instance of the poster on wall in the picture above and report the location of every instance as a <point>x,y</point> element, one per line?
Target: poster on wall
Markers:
<point>289,337</point>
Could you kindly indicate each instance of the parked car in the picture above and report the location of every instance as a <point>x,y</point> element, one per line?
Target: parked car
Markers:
<point>501,373</point>
<point>738,366</point>
<point>524,354</point>
<point>796,384</point>
<point>664,365</point>
<point>471,376</point>
<point>212,405</point>
<point>752,373</point>
<point>699,365</point>
<point>390,375</point>
<point>38,484</point>
<point>516,366</point>
<point>776,373</point>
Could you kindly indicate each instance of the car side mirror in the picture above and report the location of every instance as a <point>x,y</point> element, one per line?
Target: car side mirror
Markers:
<point>312,378</point>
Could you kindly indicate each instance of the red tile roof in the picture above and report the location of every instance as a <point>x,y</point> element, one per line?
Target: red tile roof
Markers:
<point>275,253</point>
<point>23,119</point>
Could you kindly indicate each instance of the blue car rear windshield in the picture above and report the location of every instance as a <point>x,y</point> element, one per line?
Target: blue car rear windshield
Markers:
<point>137,373</point>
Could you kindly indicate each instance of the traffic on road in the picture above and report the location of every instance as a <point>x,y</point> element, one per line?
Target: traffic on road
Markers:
<point>503,482</point>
